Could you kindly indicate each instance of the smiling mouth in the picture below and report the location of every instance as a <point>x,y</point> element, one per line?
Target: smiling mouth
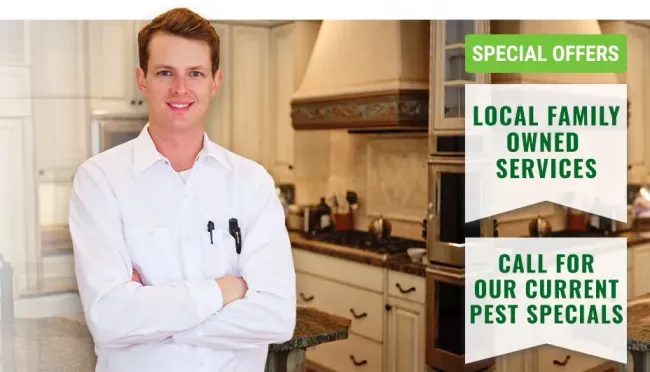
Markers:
<point>179,106</point>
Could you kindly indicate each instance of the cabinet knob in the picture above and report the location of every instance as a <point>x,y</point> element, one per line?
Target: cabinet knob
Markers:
<point>132,102</point>
<point>41,172</point>
<point>388,307</point>
<point>290,167</point>
<point>140,102</point>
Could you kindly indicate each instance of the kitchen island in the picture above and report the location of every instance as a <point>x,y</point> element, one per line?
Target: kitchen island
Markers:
<point>60,344</point>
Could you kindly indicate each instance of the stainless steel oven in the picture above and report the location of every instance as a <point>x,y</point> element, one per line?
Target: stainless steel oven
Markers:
<point>446,227</point>
<point>108,130</point>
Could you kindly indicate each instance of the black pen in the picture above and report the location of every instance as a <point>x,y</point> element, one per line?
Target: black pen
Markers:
<point>210,229</point>
<point>233,226</point>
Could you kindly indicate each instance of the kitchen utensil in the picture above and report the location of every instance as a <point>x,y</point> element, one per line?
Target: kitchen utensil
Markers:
<point>539,227</point>
<point>380,228</point>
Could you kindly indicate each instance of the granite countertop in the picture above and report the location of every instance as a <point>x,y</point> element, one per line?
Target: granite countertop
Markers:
<point>638,324</point>
<point>60,344</point>
<point>314,327</point>
<point>397,262</point>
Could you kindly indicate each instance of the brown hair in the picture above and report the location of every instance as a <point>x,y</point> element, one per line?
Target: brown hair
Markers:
<point>184,23</point>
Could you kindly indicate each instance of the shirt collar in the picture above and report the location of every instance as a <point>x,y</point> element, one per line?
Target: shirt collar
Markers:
<point>145,153</point>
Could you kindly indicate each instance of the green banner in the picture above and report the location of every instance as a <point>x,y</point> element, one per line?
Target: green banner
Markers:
<point>552,53</point>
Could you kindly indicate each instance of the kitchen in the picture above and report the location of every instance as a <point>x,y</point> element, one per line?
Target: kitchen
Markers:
<point>377,122</point>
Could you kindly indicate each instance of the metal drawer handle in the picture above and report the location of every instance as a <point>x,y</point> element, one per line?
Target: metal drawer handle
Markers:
<point>302,295</point>
<point>566,360</point>
<point>412,289</point>
<point>363,315</point>
<point>358,363</point>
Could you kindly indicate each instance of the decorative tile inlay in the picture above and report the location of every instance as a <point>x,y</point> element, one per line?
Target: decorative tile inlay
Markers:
<point>386,110</point>
<point>397,177</point>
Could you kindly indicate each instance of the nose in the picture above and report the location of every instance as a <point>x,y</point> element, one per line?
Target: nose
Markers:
<point>179,86</point>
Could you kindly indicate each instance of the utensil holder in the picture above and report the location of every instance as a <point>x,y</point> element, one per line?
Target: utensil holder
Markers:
<point>343,221</point>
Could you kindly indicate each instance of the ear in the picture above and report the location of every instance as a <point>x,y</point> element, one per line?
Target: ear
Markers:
<point>217,82</point>
<point>141,79</point>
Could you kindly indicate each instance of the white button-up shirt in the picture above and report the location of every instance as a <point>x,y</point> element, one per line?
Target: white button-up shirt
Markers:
<point>130,210</point>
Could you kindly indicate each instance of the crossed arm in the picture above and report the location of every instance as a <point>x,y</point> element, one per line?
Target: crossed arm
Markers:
<point>207,312</point>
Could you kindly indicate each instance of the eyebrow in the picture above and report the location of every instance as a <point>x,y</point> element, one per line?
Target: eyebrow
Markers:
<point>167,67</point>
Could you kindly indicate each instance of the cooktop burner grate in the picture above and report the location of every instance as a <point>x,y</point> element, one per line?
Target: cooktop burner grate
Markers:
<point>367,241</point>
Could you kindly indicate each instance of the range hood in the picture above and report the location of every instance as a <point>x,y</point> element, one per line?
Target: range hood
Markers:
<point>365,75</point>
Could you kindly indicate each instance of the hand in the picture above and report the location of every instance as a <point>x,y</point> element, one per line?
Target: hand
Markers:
<point>232,288</point>
<point>136,277</point>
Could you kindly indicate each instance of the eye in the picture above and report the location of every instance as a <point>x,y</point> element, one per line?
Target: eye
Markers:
<point>196,74</point>
<point>164,73</point>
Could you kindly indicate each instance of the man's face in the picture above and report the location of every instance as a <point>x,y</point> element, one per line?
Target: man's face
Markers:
<point>179,83</point>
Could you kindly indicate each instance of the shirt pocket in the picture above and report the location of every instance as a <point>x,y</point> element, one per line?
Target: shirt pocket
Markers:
<point>219,256</point>
<point>152,254</point>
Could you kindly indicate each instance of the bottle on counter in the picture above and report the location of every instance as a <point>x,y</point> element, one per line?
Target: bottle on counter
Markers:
<point>324,216</point>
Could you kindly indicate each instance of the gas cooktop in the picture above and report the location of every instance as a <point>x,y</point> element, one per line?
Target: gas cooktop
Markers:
<point>367,241</point>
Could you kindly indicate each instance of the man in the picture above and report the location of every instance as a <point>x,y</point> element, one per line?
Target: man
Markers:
<point>182,258</point>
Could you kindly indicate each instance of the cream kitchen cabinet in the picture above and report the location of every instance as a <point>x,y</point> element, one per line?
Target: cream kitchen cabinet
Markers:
<point>239,119</point>
<point>638,270</point>
<point>552,359</point>
<point>448,76</point>
<point>406,323</point>
<point>14,45</point>
<point>18,221</point>
<point>251,112</point>
<point>112,60</point>
<point>282,88</point>
<point>638,53</point>
<point>59,97</point>
<point>387,332</point>
<point>18,217</point>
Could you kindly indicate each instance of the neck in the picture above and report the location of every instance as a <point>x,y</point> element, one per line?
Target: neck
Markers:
<point>179,147</point>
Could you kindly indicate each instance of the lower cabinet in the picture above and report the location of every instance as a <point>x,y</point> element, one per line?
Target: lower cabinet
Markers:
<point>387,332</point>
<point>554,359</point>
<point>638,275</point>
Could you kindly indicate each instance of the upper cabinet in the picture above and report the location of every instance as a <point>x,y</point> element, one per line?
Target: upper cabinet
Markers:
<point>14,43</point>
<point>112,60</point>
<point>59,97</point>
<point>448,75</point>
<point>282,83</point>
<point>636,78</point>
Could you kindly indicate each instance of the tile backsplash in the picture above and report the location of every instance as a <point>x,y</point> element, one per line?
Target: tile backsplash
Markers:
<point>388,172</point>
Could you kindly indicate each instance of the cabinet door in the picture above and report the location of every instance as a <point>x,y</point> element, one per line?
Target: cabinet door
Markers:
<point>218,124</point>
<point>112,60</point>
<point>282,89</point>
<point>406,336</point>
<point>641,273</point>
<point>18,227</point>
<point>59,96</point>
<point>448,76</point>
<point>639,96</point>
<point>250,92</point>
<point>14,43</point>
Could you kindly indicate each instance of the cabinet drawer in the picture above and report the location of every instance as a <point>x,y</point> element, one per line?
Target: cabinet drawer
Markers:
<point>405,286</point>
<point>344,301</point>
<point>340,356</point>
<point>349,272</point>
<point>578,362</point>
